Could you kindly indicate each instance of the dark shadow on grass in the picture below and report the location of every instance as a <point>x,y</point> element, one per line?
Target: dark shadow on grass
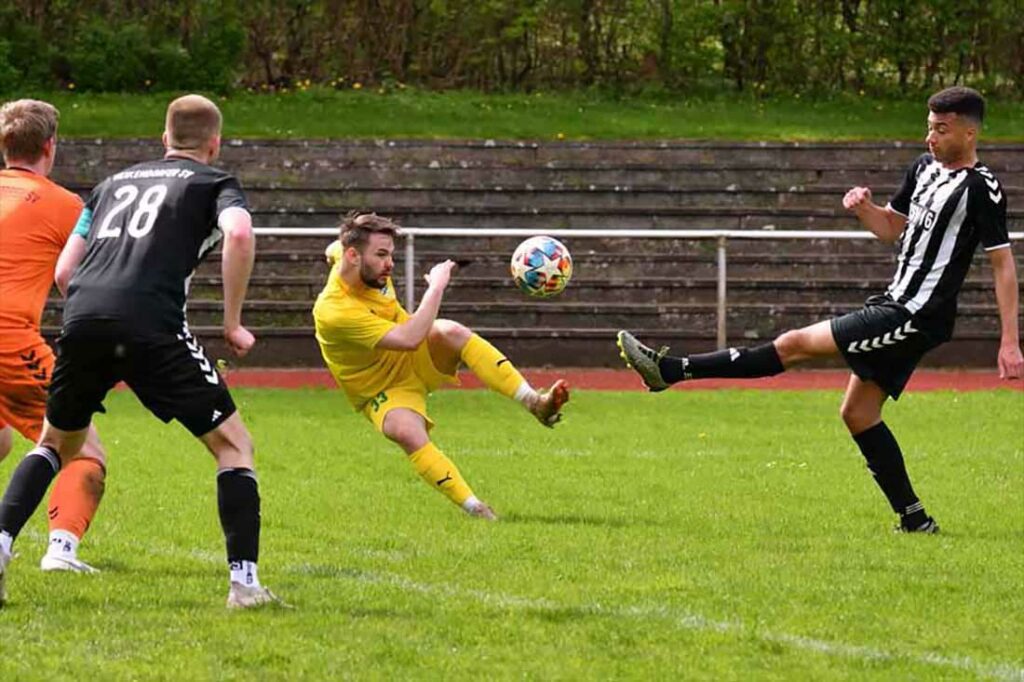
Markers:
<point>576,520</point>
<point>566,614</point>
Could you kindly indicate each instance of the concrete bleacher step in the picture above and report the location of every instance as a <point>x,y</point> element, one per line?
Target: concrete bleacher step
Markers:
<point>745,318</point>
<point>556,346</point>
<point>391,199</point>
<point>619,266</point>
<point>678,289</point>
<point>585,216</point>
<point>328,153</point>
<point>295,161</point>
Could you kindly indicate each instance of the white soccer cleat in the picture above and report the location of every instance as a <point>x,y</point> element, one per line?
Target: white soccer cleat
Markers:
<point>56,562</point>
<point>245,597</point>
<point>482,510</point>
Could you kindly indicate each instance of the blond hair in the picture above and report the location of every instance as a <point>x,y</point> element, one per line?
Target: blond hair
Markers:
<point>25,127</point>
<point>192,121</point>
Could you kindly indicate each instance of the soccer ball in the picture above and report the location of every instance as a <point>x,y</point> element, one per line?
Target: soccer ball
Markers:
<point>541,266</point>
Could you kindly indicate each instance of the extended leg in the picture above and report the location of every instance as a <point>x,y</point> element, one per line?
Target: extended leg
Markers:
<point>659,370</point>
<point>451,343</point>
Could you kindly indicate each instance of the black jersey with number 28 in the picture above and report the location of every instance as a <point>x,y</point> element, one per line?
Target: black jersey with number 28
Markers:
<point>147,228</point>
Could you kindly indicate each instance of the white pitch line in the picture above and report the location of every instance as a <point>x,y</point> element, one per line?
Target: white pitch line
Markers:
<point>682,619</point>
<point>696,622</point>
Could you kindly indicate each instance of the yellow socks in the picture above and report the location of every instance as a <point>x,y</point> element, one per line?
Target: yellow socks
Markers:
<point>494,369</point>
<point>439,473</point>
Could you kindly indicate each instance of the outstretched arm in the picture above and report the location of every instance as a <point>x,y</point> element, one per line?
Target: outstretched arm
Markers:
<point>1004,271</point>
<point>411,333</point>
<point>70,256</point>
<point>882,221</point>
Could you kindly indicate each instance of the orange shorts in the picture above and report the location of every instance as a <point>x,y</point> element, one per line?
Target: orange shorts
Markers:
<point>24,378</point>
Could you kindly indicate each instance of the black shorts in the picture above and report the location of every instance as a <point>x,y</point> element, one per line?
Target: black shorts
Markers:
<point>169,373</point>
<point>881,343</point>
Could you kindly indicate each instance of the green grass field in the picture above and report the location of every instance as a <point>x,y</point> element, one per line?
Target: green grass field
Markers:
<point>320,112</point>
<point>691,535</point>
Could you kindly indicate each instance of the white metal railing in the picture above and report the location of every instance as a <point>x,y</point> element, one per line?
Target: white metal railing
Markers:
<point>720,236</point>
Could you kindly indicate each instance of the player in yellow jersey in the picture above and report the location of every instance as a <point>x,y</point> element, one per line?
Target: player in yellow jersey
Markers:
<point>387,360</point>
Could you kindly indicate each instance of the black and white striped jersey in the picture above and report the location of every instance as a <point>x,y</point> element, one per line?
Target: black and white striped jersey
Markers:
<point>948,213</point>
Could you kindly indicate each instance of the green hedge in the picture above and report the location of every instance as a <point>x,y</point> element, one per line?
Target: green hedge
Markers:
<point>881,47</point>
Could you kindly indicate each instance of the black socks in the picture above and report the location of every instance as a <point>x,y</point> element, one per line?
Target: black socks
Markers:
<point>885,461</point>
<point>731,363</point>
<point>26,488</point>
<point>238,501</point>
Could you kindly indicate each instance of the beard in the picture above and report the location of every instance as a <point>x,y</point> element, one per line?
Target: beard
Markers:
<point>371,279</point>
<point>948,154</point>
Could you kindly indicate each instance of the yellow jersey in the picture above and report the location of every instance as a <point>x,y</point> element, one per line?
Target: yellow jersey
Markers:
<point>350,321</point>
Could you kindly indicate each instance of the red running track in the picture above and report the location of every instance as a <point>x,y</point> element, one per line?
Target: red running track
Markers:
<point>625,380</point>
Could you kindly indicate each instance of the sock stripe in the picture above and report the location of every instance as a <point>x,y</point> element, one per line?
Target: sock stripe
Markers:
<point>916,507</point>
<point>47,453</point>
<point>241,471</point>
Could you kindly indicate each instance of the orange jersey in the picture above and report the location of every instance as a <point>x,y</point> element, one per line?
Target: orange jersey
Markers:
<point>36,218</point>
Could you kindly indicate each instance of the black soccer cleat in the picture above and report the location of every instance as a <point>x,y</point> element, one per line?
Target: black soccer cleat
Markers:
<point>929,527</point>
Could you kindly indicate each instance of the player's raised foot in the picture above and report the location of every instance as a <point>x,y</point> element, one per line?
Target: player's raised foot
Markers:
<point>548,407</point>
<point>482,510</point>
<point>57,562</point>
<point>643,360</point>
<point>928,527</point>
<point>247,597</point>
<point>5,560</point>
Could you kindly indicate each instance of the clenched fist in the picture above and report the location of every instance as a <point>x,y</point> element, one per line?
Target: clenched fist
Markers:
<point>856,197</point>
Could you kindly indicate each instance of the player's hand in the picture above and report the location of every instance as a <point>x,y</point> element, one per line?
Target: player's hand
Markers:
<point>1011,362</point>
<point>239,340</point>
<point>856,198</point>
<point>440,274</point>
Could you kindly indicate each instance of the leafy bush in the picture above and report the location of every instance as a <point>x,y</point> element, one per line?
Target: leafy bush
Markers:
<point>9,78</point>
<point>108,57</point>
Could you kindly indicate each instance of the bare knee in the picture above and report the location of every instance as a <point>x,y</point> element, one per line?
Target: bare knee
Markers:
<point>6,441</point>
<point>859,416</point>
<point>449,333</point>
<point>405,428</point>
<point>231,445</point>
<point>93,448</point>
<point>790,346</point>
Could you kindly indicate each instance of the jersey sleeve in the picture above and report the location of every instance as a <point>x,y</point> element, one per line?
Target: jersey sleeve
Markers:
<point>67,221</point>
<point>84,223</point>
<point>333,253</point>
<point>230,195</point>
<point>989,212</point>
<point>357,326</point>
<point>900,201</point>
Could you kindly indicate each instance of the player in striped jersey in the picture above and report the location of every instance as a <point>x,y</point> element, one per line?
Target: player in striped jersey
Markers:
<point>949,202</point>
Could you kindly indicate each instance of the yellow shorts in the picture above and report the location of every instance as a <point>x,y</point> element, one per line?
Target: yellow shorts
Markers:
<point>415,378</point>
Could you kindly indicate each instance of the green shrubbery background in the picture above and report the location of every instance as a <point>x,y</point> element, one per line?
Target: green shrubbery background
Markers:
<point>879,47</point>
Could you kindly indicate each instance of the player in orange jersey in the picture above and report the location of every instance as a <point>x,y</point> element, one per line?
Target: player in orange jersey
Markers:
<point>36,219</point>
